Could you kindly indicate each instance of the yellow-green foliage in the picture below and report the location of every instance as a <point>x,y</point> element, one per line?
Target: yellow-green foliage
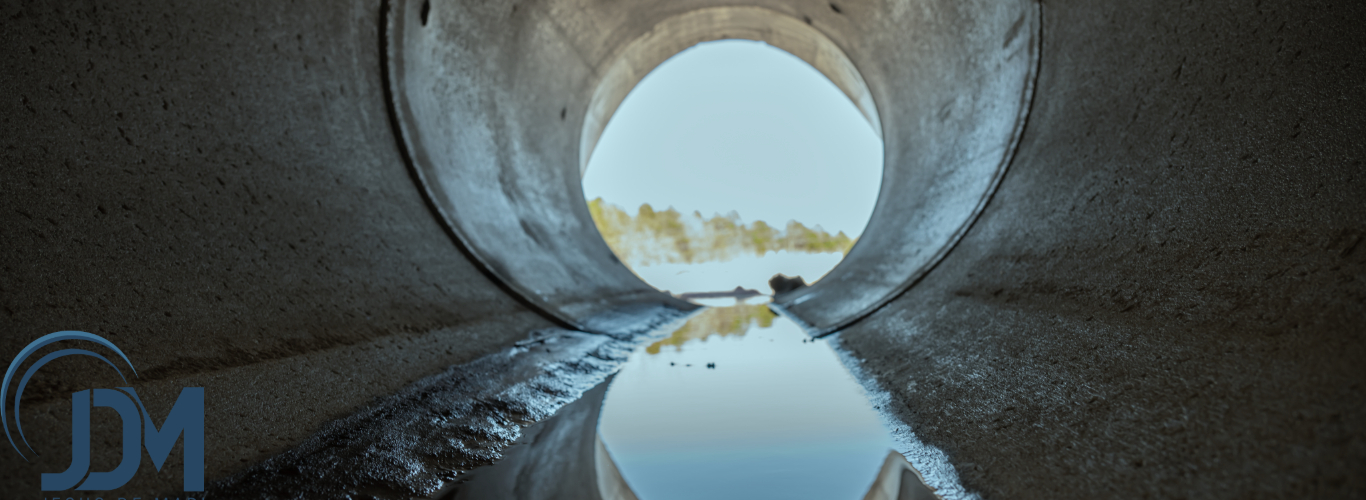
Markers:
<point>667,236</point>
<point>722,321</point>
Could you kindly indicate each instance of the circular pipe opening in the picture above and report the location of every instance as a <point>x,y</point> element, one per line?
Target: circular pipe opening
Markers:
<point>745,162</point>
<point>676,34</point>
<point>498,127</point>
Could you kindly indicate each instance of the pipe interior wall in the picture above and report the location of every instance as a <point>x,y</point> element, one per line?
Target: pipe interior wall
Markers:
<point>490,98</point>
<point>1162,296</point>
<point>215,188</point>
<point>1165,297</point>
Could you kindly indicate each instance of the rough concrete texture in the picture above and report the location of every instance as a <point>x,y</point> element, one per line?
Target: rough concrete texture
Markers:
<point>215,188</point>
<point>561,457</point>
<point>1166,296</point>
<point>421,441</point>
<point>491,96</point>
<point>955,81</point>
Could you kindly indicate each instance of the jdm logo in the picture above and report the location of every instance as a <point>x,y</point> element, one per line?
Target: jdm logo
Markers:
<point>186,418</point>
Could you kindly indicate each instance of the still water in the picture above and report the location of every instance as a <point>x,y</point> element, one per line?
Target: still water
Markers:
<point>748,271</point>
<point>776,416</point>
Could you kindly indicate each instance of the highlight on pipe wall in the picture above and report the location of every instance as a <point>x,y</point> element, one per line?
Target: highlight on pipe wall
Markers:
<point>730,163</point>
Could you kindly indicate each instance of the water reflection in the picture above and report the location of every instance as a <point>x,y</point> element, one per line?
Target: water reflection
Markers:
<point>778,417</point>
<point>717,321</point>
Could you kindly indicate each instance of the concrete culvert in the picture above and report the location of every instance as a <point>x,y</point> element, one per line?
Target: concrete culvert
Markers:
<point>1117,251</point>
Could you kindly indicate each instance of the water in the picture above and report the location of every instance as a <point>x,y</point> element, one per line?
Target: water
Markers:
<point>748,271</point>
<point>778,417</point>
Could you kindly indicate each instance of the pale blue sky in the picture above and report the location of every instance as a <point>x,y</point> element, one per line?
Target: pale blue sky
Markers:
<point>740,125</point>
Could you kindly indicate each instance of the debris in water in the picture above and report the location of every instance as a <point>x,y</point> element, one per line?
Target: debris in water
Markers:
<point>781,284</point>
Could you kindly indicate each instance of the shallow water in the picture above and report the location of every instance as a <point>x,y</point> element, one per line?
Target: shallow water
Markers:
<point>777,417</point>
<point>748,271</point>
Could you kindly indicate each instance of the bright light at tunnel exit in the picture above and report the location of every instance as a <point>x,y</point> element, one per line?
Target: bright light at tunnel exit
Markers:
<point>736,126</point>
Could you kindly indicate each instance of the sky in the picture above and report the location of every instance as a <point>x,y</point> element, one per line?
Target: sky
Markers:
<point>743,126</point>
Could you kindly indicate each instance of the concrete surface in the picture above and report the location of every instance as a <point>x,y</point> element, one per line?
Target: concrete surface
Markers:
<point>214,187</point>
<point>561,457</point>
<point>898,480</point>
<point>1166,297</point>
<point>1163,295</point>
<point>422,441</point>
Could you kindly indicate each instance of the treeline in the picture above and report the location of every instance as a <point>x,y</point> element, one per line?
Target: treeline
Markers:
<point>653,236</point>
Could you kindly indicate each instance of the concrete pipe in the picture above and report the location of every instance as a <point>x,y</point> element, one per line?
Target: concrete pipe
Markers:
<point>1116,251</point>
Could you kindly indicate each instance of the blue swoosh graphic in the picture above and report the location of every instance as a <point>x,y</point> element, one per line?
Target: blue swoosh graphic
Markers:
<point>19,393</point>
<point>29,350</point>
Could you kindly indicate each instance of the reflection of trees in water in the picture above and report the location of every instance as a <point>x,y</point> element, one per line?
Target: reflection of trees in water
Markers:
<point>723,321</point>
<point>667,236</point>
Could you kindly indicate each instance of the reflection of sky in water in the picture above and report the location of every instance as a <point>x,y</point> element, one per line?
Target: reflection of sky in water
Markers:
<point>748,271</point>
<point>776,418</point>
